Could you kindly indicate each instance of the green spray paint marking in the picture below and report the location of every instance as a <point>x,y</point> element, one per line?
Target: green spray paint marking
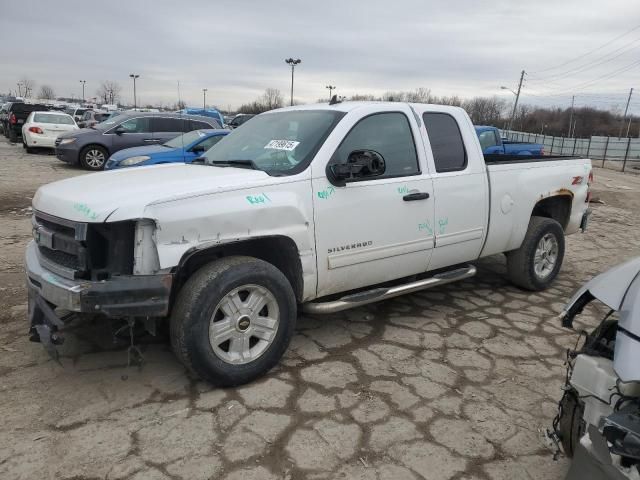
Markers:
<point>403,190</point>
<point>442,223</point>
<point>326,193</point>
<point>425,227</point>
<point>258,199</point>
<point>84,209</point>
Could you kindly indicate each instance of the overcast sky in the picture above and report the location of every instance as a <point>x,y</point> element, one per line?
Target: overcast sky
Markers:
<point>236,48</point>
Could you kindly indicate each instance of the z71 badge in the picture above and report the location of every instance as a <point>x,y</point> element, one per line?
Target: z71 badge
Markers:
<point>351,246</point>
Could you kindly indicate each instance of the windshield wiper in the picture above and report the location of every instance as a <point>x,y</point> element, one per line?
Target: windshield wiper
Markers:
<point>235,163</point>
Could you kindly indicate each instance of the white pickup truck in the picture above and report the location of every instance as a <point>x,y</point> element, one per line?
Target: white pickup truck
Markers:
<point>318,207</point>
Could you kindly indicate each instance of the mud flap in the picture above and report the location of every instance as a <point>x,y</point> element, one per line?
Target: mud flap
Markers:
<point>44,325</point>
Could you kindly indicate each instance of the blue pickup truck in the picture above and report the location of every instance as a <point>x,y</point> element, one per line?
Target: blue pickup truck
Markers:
<point>492,143</point>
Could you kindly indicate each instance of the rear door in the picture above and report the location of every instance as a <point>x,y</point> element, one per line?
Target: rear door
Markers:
<point>375,229</point>
<point>165,129</point>
<point>460,186</point>
<point>137,132</point>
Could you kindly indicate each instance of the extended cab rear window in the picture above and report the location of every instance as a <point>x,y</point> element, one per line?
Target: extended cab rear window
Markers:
<point>447,146</point>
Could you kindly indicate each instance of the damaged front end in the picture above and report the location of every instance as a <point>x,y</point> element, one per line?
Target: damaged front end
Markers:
<point>598,421</point>
<point>91,268</point>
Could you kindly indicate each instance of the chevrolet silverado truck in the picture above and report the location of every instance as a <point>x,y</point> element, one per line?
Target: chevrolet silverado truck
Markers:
<point>492,143</point>
<point>317,208</point>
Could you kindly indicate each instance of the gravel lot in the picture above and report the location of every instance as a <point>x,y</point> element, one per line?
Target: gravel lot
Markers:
<point>454,383</point>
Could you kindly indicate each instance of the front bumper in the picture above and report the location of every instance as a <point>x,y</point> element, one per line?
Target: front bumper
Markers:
<point>67,153</point>
<point>121,296</point>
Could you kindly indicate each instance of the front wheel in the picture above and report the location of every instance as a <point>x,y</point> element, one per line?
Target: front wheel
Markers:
<point>233,320</point>
<point>535,265</point>
<point>93,157</point>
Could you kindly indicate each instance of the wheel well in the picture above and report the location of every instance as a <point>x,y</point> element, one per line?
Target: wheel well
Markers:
<point>557,207</point>
<point>86,147</point>
<point>279,251</point>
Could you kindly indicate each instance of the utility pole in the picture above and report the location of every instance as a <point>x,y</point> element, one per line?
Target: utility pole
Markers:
<point>204,98</point>
<point>626,109</point>
<point>331,89</point>
<point>83,82</point>
<point>515,104</point>
<point>293,64</point>
<point>573,99</point>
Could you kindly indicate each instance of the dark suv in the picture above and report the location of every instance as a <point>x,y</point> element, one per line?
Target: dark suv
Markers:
<point>15,117</point>
<point>91,147</point>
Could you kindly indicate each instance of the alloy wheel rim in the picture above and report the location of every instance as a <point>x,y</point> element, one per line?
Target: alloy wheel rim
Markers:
<point>94,158</point>
<point>244,324</point>
<point>546,256</point>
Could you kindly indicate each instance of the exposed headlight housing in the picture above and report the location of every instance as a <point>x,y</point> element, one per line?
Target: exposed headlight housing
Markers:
<point>135,160</point>
<point>66,141</point>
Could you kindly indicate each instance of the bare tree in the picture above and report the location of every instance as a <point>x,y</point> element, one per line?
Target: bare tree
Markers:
<point>419,95</point>
<point>272,98</point>
<point>109,92</point>
<point>47,92</point>
<point>26,86</point>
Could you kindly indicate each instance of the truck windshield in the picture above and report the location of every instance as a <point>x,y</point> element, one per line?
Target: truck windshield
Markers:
<point>279,143</point>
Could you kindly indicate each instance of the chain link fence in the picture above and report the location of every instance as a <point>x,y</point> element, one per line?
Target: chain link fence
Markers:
<point>607,152</point>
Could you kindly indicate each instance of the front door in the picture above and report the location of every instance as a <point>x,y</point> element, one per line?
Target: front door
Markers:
<point>137,132</point>
<point>379,228</point>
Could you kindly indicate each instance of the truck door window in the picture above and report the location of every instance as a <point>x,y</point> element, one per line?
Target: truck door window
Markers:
<point>390,135</point>
<point>447,146</point>
<point>487,139</point>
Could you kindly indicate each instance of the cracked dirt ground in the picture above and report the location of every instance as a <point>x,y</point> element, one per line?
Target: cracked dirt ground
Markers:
<point>454,383</point>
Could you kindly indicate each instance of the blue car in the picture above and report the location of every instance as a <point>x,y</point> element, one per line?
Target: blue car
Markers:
<point>182,149</point>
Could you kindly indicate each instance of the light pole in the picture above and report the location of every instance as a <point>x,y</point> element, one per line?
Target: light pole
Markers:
<point>134,76</point>
<point>204,98</point>
<point>293,64</point>
<point>331,89</point>
<point>83,82</point>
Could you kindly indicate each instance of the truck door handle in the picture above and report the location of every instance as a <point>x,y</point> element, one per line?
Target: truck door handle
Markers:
<point>410,197</point>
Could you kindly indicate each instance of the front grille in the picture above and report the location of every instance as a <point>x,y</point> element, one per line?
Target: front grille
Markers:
<point>64,259</point>
<point>78,250</point>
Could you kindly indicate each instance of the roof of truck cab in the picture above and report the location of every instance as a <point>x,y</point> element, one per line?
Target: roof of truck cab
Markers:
<point>350,106</point>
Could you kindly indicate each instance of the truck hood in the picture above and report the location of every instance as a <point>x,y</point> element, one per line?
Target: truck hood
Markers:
<point>125,194</point>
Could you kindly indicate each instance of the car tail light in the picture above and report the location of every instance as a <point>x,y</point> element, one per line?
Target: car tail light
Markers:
<point>13,119</point>
<point>590,181</point>
<point>35,130</point>
<point>542,151</point>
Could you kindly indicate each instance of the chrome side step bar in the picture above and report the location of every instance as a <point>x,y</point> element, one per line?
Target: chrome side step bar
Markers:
<point>384,293</point>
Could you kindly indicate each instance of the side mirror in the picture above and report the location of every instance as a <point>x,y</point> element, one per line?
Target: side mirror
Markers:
<point>119,130</point>
<point>360,164</point>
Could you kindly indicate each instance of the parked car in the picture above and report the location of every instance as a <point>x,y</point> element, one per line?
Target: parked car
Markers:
<point>41,129</point>
<point>324,206</point>
<point>76,112</point>
<point>492,143</point>
<point>598,421</point>
<point>4,114</point>
<point>240,119</point>
<point>91,117</point>
<point>182,149</point>
<point>204,112</point>
<point>17,113</point>
<point>91,147</point>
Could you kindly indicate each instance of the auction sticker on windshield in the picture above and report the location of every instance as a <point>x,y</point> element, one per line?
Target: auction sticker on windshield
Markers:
<point>282,144</point>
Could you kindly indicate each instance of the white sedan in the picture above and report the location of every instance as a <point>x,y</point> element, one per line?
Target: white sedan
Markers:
<point>42,128</point>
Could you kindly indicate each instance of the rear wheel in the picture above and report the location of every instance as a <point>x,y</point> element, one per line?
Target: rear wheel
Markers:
<point>537,262</point>
<point>93,157</point>
<point>233,320</point>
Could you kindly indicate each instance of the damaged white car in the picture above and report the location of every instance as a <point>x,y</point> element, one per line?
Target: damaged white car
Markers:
<point>598,422</point>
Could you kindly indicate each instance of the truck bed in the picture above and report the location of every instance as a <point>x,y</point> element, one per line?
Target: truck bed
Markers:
<point>499,159</point>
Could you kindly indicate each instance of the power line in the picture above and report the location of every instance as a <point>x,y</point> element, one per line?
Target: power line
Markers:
<point>604,59</point>
<point>589,52</point>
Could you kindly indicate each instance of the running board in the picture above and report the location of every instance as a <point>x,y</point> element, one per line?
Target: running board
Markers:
<point>384,293</point>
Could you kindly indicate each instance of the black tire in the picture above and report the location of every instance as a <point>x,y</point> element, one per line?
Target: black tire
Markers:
<point>521,262</point>
<point>13,136</point>
<point>89,164</point>
<point>196,303</point>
